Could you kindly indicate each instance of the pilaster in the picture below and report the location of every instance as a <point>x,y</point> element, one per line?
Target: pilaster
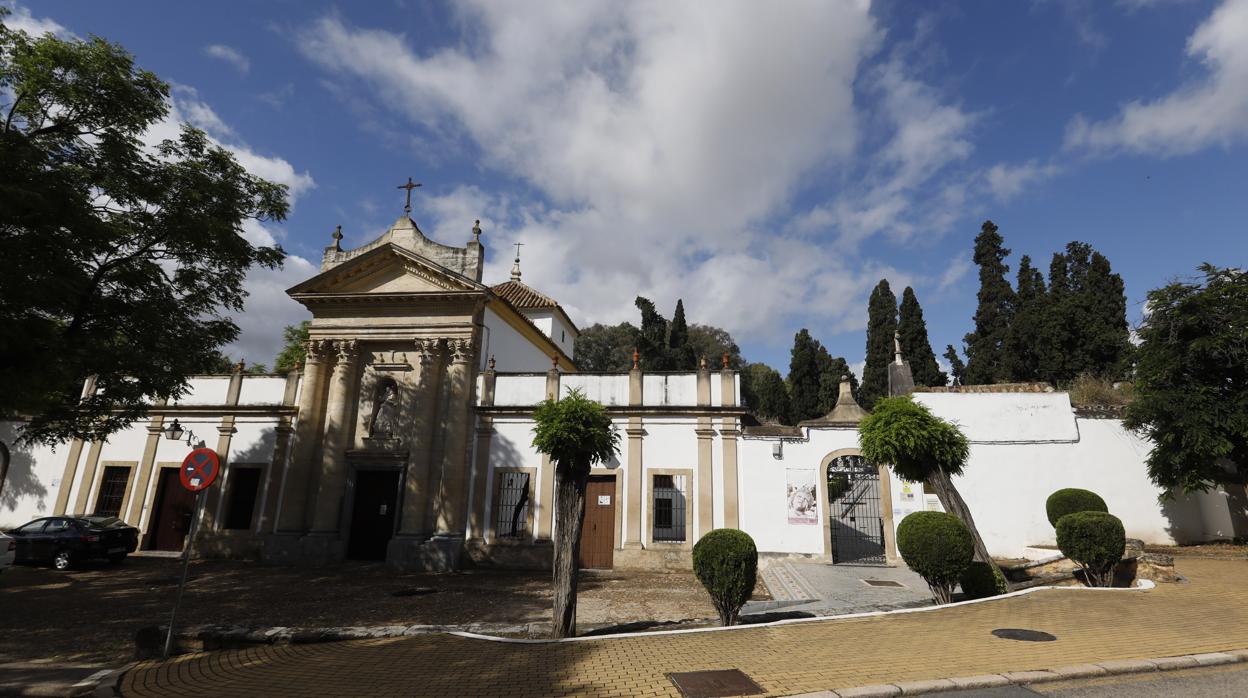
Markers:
<point>155,431</point>
<point>546,505</point>
<point>215,496</point>
<point>300,476</point>
<point>423,405</point>
<point>71,462</point>
<point>88,477</point>
<point>728,433</point>
<point>705,479</point>
<point>635,432</point>
<point>331,485</point>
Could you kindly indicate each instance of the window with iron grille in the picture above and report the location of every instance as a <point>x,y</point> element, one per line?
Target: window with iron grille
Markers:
<point>511,519</point>
<point>669,508</point>
<point>112,490</point>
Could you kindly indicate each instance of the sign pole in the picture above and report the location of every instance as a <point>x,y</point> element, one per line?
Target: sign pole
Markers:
<point>186,563</point>
<point>199,470</point>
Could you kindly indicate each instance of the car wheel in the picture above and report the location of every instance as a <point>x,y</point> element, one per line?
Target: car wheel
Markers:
<point>63,560</point>
<point>119,557</point>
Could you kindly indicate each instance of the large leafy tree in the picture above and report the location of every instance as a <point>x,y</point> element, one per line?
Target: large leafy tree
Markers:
<point>1025,339</point>
<point>915,345</point>
<point>881,329</point>
<point>294,347</point>
<point>764,392</point>
<point>121,261</point>
<point>713,343</point>
<point>576,433</point>
<point>610,347</point>
<point>1191,381</point>
<point>921,447</point>
<point>602,348</point>
<point>985,361</point>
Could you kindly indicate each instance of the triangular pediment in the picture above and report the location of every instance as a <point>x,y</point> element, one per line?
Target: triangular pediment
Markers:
<point>386,270</point>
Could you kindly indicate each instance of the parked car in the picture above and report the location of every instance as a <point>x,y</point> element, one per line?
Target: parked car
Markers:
<point>8,551</point>
<point>67,540</point>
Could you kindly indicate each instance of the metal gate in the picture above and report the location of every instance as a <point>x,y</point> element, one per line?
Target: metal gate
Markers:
<point>854,511</point>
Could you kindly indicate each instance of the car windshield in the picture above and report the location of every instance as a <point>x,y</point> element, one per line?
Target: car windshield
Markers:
<point>101,521</point>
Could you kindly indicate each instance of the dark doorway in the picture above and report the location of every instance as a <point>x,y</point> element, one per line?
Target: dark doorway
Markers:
<point>854,511</point>
<point>598,531</point>
<point>372,519</point>
<point>171,515</point>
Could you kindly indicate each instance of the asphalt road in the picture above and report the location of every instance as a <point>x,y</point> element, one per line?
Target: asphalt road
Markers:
<point>1211,682</point>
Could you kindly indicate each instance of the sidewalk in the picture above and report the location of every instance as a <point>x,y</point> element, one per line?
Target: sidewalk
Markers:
<point>1209,614</point>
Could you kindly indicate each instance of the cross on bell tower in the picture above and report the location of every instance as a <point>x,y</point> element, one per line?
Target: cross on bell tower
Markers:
<point>515,268</point>
<point>407,205</point>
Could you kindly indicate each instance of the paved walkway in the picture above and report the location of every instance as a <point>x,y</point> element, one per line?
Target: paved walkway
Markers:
<point>1210,614</point>
<point>823,590</point>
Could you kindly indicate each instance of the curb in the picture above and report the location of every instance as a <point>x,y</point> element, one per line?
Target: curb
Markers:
<point>1019,678</point>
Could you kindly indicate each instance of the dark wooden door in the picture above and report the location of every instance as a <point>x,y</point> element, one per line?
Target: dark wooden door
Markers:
<point>598,532</point>
<point>171,516</point>
<point>372,519</point>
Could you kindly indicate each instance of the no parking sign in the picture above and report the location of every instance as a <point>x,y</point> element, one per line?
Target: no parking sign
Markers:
<point>199,469</point>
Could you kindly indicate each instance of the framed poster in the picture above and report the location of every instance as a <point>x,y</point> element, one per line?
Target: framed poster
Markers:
<point>802,506</point>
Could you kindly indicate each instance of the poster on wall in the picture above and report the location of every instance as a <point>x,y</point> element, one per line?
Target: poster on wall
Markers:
<point>803,508</point>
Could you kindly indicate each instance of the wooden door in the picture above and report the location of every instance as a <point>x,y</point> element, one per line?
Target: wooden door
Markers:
<point>171,516</point>
<point>598,531</point>
<point>372,519</point>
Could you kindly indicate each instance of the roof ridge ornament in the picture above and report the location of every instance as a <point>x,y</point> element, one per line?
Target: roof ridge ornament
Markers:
<point>476,231</point>
<point>515,268</point>
<point>407,205</point>
<point>337,236</point>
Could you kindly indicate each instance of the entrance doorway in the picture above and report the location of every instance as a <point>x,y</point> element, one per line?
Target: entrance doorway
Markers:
<point>598,531</point>
<point>171,515</point>
<point>854,512</point>
<point>372,518</point>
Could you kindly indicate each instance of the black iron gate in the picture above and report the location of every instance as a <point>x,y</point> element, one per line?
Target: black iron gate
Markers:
<point>854,511</point>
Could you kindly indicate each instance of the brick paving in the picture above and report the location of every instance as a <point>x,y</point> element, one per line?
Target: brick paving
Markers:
<point>1209,614</point>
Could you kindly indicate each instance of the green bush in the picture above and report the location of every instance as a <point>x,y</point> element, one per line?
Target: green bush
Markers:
<point>981,580</point>
<point>1071,500</point>
<point>1095,540</point>
<point>726,562</point>
<point>938,547</point>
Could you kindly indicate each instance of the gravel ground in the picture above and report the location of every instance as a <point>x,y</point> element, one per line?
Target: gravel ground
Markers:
<point>92,614</point>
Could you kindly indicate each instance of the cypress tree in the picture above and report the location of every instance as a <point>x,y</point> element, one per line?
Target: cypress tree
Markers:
<point>1086,322</point>
<point>679,352</point>
<point>765,393</point>
<point>804,372</point>
<point>652,339</point>
<point>915,346</point>
<point>1024,341</point>
<point>956,367</point>
<point>881,326</point>
<point>985,346</point>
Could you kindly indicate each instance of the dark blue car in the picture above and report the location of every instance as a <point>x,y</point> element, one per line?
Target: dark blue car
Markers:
<point>65,541</point>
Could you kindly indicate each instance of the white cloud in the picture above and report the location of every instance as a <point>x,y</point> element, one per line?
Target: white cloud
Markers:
<point>1200,113</point>
<point>1006,181</point>
<point>955,272</point>
<point>230,55</point>
<point>22,20</point>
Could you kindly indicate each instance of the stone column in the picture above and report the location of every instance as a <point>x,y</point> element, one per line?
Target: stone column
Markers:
<point>422,405</point>
<point>481,468</point>
<point>277,469</point>
<point>327,505</point>
<point>546,506</point>
<point>300,476</point>
<point>706,478</point>
<point>728,432</point>
<point>453,490</point>
<point>635,432</point>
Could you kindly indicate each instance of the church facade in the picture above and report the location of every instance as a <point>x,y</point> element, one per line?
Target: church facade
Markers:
<point>406,437</point>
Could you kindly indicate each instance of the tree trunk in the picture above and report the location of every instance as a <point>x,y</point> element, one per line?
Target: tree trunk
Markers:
<point>569,515</point>
<point>4,465</point>
<point>953,503</point>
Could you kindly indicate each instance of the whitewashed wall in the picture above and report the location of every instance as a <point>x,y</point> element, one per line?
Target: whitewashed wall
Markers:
<point>553,325</point>
<point>604,389</point>
<point>511,350</point>
<point>34,478</point>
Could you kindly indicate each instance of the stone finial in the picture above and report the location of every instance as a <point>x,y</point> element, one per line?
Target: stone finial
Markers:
<point>554,362</point>
<point>490,363</point>
<point>337,236</point>
<point>476,231</point>
<point>726,361</point>
<point>636,359</point>
<point>702,363</point>
<point>238,368</point>
<point>897,348</point>
<point>515,268</point>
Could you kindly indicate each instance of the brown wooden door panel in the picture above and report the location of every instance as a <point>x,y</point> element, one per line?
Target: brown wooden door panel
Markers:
<point>598,531</point>
<point>171,516</point>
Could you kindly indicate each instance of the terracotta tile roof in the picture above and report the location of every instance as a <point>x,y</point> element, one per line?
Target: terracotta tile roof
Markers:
<point>522,296</point>
<point>991,388</point>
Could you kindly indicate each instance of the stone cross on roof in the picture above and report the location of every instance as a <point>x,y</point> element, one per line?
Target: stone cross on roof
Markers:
<point>515,268</point>
<point>407,205</point>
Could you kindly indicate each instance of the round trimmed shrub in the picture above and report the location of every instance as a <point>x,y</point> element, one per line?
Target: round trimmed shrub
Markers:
<point>726,562</point>
<point>1071,500</point>
<point>938,548</point>
<point>1095,540</point>
<point>981,580</point>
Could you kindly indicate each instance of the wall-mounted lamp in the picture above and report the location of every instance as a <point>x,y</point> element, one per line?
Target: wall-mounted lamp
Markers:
<point>777,450</point>
<point>175,432</point>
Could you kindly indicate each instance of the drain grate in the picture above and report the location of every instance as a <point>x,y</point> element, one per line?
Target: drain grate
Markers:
<point>1023,634</point>
<point>884,583</point>
<point>715,684</point>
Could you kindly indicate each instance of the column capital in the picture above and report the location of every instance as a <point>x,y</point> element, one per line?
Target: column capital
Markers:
<point>461,349</point>
<point>348,350</point>
<point>427,348</point>
<point>317,350</point>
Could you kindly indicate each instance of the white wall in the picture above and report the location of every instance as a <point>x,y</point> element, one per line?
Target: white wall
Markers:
<point>510,349</point>
<point>607,389</point>
<point>553,325</point>
<point>660,389</point>
<point>262,390</point>
<point>519,390</point>
<point>34,478</point>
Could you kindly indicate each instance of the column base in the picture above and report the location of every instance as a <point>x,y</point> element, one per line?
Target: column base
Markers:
<point>439,553</point>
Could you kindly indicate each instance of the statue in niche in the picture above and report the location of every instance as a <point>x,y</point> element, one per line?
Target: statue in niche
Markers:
<point>385,421</point>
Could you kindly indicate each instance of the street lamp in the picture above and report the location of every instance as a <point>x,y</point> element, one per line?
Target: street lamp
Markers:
<point>175,432</point>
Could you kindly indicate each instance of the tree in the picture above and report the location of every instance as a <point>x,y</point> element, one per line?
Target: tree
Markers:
<point>985,346</point>
<point>765,394</point>
<point>680,354</point>
<point>921,447</point>
<point>1087,317</point>
<point>804,373</point>
<point>881,329</point>
<point>1024,340</point>
<point>915,345</point>
<point>606,348</point>
<point>1191,381</point>
<point>576,433</point>
<point>713,343</point>
<point>652,339</point>
<point>294,347</point>
<point>956,367</point>
<point>117,256</point>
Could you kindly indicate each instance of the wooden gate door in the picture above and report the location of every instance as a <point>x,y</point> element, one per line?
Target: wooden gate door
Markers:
<point>171,516</point>
<point>372,519</point>
<point>598,532</point>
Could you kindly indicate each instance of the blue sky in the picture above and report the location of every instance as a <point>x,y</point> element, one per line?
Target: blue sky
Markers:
<point>767,162</point>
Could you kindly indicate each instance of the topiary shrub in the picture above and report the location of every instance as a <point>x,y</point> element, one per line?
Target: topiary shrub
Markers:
<point>1071,500</point>
<point>1095,540</point>
<point>981,580</point>
<point>938,547</point>
<point>726,562</point>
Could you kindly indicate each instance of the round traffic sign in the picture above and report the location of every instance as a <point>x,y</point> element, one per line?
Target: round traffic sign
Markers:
<point>199,469</point>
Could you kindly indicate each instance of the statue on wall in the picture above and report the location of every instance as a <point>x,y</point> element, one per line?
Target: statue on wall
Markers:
<point>385,420</point>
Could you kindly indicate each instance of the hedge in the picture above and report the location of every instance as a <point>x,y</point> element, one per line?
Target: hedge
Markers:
<point>1095,540</point>
<point>1071,500</point>
<point>938,547</point>
<point>981,580</point>
<point>726,562</point>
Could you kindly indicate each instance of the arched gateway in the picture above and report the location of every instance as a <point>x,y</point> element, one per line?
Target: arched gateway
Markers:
<point>855,503</point>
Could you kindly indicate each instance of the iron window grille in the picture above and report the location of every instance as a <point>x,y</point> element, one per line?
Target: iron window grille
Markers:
<point>512,518</point>
<point>112,491</point>
<point>669,509</point>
